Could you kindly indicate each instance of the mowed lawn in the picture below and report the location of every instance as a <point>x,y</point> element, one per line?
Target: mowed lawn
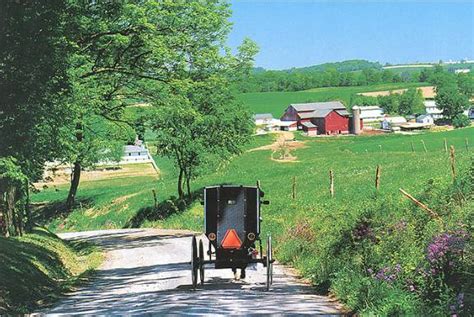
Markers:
<point>276,102</point>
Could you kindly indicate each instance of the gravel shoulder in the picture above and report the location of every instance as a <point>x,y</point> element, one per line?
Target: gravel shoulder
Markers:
<point>146,271</point>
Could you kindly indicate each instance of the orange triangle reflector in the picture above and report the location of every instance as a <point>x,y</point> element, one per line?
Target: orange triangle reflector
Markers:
<point>231,240</point>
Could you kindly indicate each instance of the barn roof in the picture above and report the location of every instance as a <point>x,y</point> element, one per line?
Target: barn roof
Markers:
<point>318,106</point>
<point>308,125</point>
<point>343,112</point>
<point>133,148</point>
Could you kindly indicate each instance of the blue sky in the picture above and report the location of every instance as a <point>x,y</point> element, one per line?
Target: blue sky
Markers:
<point>303,33</point>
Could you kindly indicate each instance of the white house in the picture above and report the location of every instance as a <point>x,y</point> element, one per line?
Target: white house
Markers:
<point>431,109</point>
<point>371,113</point>
<point>263,118</point>
<point>389,122</point>
<point>135,154</point>
<point>425,119</point>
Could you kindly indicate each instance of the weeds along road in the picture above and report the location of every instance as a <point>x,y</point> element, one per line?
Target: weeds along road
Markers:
<point>147,271</point>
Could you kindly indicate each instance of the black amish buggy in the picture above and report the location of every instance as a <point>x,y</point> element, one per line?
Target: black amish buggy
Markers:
<point>232,223</point>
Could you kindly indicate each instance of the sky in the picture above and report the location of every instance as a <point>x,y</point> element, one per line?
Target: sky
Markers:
<point>303,33</point>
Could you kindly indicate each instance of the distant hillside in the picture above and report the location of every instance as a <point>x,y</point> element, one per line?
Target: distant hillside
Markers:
<point>344,66</point>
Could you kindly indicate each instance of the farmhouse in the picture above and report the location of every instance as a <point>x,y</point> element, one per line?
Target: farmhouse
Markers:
<point>319,117</point>
<point>135,153</point>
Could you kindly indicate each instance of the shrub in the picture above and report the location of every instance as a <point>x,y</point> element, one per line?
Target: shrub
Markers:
<point>461,121</point>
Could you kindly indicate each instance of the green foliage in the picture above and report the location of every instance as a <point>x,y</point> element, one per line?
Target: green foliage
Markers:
<point>451,101</point>
<point>347,73</point>
<point>39,267</point>
<point>32,85</point>
<point>461,121</point>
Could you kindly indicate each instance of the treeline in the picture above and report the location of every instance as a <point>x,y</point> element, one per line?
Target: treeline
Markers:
<point>301,80</point>
<point>70,69</point>
<point>341,74</point>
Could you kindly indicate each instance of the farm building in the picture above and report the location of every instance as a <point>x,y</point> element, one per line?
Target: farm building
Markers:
<point>425,119</point>
<point>389,122</point>
<point>431,109</point>
<point>470,113</point>
<point>310,129</point>
<point>288,125</point>
<point>371,113</point>
<point>135,153</point>
<point>327,117</point>
<point>263,118</point>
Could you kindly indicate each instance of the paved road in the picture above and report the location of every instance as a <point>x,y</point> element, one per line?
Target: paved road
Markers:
<point>146,271</point>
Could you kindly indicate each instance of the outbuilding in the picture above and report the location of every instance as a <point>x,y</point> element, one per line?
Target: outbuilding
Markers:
<point>135,153</point>
<point>263,118</point>
<point>310,129</point>
<point>425,119</point>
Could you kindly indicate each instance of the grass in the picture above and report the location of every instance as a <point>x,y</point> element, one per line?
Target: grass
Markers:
<point>38,267</point>
<point>127,202</point>
<point>276,102</point>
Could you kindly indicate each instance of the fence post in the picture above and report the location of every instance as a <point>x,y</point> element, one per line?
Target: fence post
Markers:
<point>294,188</point>
<point>445,145</point>
<point>424,146</point>
<point>331,183</point>
<point>154,198</point>
<point>380,146</point>
<point>258,184</point>
<point>377,177</point>
<point>466,142</point>
<point>412,147</point>
<point>453,162</point>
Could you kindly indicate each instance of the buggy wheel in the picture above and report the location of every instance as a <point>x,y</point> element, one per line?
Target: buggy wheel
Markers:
<point>194,262</point>
<point>269,262</point>
<point>201,262</point>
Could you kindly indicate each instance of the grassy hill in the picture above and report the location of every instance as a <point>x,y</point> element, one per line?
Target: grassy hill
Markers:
<point>39,267</point>
<point>276,102</point>
<point>112,202</point>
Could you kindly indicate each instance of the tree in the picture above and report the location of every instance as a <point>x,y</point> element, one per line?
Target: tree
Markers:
<point>411,102</point>
<point>32,90</point>
<point>390,103</point>
<point>466,84</point>
<point>32,86</point>
<point>200,130</point>
<point>451,101</point>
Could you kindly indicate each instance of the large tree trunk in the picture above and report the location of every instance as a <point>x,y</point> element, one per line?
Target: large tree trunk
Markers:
<point>76,176</point>
<point>188,184</point>
<point>180,184</point>
<point>76,173</point>
<point>29,219</point>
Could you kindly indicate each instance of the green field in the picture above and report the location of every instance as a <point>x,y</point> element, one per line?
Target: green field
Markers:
<point>112,203</point>
<point>276,102</point>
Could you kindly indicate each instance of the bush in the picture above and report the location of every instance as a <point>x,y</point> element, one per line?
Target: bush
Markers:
<point>389,257</point>
<point>461,121</point>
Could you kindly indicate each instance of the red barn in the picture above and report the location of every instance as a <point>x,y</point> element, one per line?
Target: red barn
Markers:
<point>328,117</point>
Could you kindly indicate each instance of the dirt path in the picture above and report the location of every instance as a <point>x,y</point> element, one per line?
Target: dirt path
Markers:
<point>147,272</point>
<point>282,147</point>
